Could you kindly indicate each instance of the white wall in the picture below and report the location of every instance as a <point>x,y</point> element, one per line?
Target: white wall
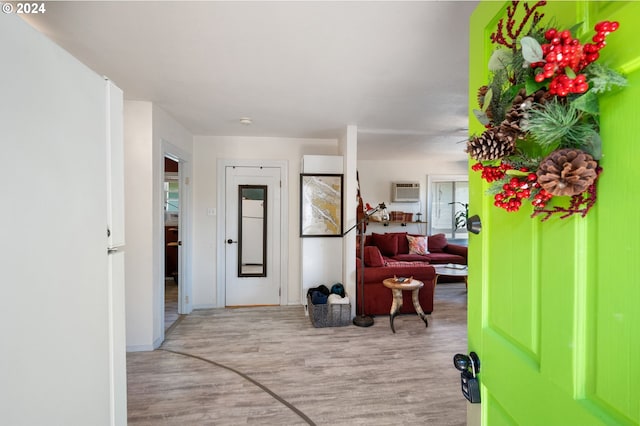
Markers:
<point>207,150</point>
<point>376,177</point>
<point>166,128</point>
<point>146,128</point>
<point>349,150</point>
<point>138,163</point>
<point>320,257</point>
<point>54,356</point>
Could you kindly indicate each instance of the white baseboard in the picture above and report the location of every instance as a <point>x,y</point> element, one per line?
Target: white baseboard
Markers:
<point>140,348</point>
<point>195,307</point>
<point>157,343</point>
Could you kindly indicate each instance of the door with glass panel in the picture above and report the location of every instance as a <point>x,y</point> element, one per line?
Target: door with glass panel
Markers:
<point>448,204</point>
<point>252,241</point>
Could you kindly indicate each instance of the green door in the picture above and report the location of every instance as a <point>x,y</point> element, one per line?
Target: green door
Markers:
<point>554,306</point>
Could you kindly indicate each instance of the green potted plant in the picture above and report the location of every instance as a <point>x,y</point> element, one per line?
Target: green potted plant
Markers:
<point>461,215</point>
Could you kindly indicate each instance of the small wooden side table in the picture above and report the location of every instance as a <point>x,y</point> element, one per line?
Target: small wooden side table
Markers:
<point>397,287</point>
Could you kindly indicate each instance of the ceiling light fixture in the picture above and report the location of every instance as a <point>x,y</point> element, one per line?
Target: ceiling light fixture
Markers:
<point>246,121</point>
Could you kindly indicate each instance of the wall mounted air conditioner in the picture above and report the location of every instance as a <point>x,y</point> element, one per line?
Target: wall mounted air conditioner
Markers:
<point>405,192</point>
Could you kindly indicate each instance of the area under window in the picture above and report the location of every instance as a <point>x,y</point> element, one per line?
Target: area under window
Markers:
<point>448,200</point>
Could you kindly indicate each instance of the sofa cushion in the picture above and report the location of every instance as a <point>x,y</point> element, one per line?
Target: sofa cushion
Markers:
<point>417,270</point>
<point>404,264</point>
<point>411,258</point>
<point>387,243</point>
<point>437,243</point>
<point>373,257</point>
<point>403,243</point>
<point>417,245</point>
<point>439,258</point>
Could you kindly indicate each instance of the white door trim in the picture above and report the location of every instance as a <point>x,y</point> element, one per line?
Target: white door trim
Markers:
<point>184,280</point>
<point>222,164</point>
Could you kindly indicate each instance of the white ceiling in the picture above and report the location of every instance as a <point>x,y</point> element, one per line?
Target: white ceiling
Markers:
<point>397,70</point>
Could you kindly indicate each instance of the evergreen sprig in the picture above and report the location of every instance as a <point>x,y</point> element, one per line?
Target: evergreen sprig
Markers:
<point>602,78</point>
<point>560,124</point>
<point>499,105</point>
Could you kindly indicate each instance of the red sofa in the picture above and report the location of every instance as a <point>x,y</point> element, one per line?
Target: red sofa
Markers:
<point>378,298</point>
<point>388,255</point>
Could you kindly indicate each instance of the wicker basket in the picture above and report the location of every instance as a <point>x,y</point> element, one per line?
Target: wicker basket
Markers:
<point>329,314</point>
<point>396,216</point>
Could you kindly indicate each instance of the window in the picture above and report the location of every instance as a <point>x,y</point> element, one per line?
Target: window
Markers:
<point>448,199</point>
<point>171,195</point>
<point>171,199</point>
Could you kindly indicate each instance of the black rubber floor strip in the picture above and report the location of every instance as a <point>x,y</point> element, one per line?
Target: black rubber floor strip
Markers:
<point>244,376</point>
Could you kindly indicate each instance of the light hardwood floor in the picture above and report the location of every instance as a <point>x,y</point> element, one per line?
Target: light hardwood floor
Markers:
<point>270,366</point>
<point>170,303</point>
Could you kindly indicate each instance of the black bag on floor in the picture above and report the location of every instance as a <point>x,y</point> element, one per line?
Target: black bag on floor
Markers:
<point>319,294</point>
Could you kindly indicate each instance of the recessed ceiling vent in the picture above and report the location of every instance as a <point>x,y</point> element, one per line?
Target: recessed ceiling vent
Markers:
<point>405,192</point>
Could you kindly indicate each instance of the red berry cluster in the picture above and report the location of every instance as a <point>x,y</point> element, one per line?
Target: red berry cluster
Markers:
<point>514,191</point>
<point>541,199</point>
<point>491,173</point>
<point>564,51</point>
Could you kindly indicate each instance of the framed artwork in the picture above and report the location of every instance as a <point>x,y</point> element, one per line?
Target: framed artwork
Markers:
<point>320,205</point>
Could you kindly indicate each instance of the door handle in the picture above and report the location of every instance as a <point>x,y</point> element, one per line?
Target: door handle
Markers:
<point>474,224</point>
<point>179,243</point>
<point>469,367</point>
<point>230,241</point>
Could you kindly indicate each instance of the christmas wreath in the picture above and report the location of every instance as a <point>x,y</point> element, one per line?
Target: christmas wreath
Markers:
<point>540,112</point>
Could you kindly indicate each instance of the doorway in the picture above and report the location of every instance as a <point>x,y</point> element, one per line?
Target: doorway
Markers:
<point>172,242</point>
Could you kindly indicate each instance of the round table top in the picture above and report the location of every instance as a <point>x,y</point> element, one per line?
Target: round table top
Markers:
<point>451,269</point>
<point>404,285</point>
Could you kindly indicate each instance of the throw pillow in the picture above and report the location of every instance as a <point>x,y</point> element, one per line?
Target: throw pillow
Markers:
<point>417,245</point>
<point>373,257</point>
<point>437,243</point>
<point>387,243</point>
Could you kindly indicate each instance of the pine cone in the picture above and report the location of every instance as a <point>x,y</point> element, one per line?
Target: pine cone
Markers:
<point>517,116</point>
<point>567,172</point>
<point>511,123</point>
<point>491,145</point>
<point>540,96</point>
<point>482,92</point>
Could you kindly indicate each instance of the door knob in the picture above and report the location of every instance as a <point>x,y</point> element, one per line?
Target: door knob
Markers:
<point>473,224</point>
<point>230,241</point>
<point>469,367</point>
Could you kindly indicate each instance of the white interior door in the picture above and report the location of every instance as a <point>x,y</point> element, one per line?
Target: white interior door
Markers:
<point>116,245</point>
<point>252,236</point>
<point>183,202</point>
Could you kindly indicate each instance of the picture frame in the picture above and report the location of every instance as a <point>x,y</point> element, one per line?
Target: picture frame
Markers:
<point>321,205</point>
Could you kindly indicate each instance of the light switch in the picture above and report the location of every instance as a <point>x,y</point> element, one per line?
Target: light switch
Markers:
<point>211,212</point>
